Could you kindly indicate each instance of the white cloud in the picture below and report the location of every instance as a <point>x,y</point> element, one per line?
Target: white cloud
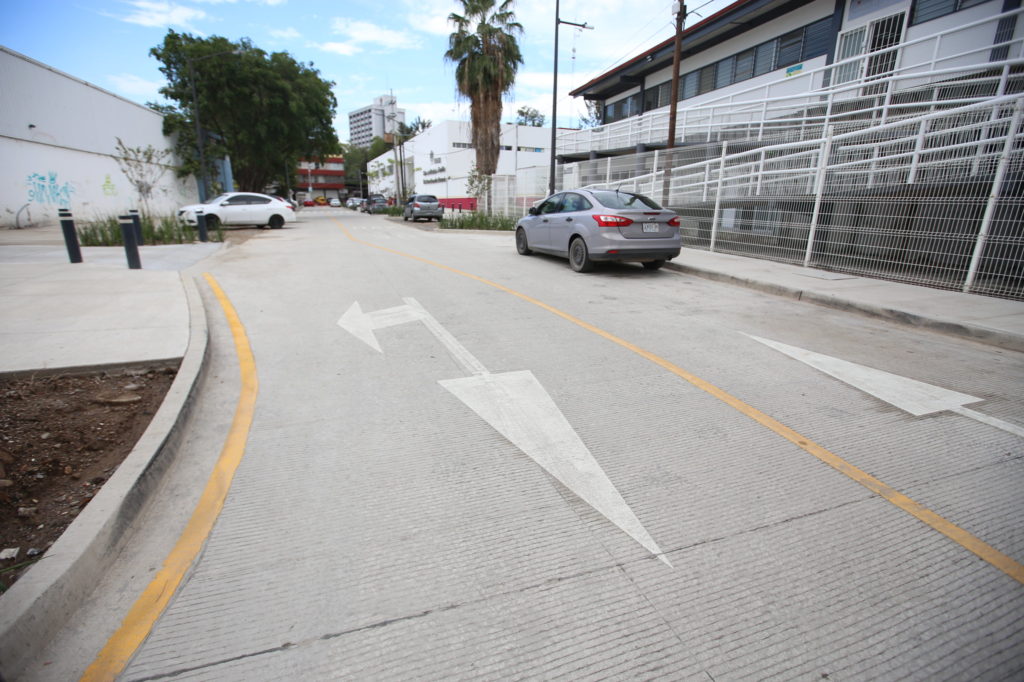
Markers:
<point>345,49</point>
<point>163,14</point>
<point>285,33</point>
<point>130,86</point>
<point>364,32</point>
<point>430,16</point>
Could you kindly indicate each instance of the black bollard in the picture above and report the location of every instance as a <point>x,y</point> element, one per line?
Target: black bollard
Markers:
<point>131,247</point>
<point>137,224</point>
<point>201,224</point>
<point>67,226</point>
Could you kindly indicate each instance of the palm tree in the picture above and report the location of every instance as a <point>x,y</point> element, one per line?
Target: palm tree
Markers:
<point>486,60</point>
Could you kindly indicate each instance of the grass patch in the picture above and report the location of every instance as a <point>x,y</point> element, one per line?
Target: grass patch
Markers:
<point>477,221</point>
<point>162,230</point>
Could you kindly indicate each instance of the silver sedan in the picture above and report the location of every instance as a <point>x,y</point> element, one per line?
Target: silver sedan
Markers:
<point>587,226</point>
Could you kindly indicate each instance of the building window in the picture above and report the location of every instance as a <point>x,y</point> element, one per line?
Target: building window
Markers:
<point>764,57</point>
<point>926,10</point>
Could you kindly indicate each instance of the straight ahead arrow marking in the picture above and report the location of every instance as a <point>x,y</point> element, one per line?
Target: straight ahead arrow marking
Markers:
<point>516,405</point>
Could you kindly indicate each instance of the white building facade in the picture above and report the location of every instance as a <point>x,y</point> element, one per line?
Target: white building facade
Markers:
<point>58,139</point>
<point>439,161</point>
<point>377,120</point>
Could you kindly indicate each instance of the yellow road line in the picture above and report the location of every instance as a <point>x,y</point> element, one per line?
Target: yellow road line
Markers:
<point>1008,565</point>
<point>136,626</point>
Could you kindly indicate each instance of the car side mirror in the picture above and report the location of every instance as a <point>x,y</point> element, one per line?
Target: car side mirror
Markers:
<point>223,203</point>
<point>533,211</point>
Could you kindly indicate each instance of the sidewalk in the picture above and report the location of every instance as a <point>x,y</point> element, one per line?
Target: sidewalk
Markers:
<point>994,321</point>
<point>59,315</point>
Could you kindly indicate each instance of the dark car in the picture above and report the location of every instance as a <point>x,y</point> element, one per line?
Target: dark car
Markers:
<point>423,206</point>
<point>375,204</point>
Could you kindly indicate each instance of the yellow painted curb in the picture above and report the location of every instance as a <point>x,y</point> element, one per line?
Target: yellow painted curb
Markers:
<point>137,625</point>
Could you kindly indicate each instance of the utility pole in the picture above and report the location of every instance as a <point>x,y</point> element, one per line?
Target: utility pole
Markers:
<point>680,10</point>
<point>554,99</point>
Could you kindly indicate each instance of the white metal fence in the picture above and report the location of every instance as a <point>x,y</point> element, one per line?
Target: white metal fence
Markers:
<point>935,200</point>
<point>513,195</point>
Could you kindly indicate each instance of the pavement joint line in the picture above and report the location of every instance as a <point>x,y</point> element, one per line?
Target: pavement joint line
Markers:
<point>965,539</point>
<point>137,624</point>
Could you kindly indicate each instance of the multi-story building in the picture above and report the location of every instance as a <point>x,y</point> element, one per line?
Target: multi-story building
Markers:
<point>324,178</point>
<point>377,120</point>
<point>440,159</point>
<point>881,138</point>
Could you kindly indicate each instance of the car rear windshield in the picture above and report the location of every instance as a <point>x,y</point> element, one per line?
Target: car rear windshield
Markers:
<point>612,199</point>
<point>427,198</point>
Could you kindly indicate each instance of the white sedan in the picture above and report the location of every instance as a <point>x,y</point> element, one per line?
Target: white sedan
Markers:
<point>241,208</point>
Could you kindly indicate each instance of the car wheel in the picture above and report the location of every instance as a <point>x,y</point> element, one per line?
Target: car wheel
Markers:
<point>579,257</point>
<point>212,222</point>
<point>276,222</point>
<point>521,246</point>
<point>653,264</point>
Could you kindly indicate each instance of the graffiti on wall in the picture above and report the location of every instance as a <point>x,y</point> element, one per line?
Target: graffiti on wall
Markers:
<point>45,189</point>
<point>109,188</point>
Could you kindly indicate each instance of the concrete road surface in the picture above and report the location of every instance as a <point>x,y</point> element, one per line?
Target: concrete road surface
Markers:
<point>463,463</point>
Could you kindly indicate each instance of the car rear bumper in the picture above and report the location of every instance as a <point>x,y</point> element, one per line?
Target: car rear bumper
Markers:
<point>636,255</point>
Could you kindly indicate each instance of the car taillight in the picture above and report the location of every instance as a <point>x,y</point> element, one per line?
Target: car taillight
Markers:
<point>674,222</point>
<point>415,205</point>
<point>612,220</point>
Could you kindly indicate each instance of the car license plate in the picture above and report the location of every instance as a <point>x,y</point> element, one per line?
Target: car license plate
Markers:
<point>652,227</point>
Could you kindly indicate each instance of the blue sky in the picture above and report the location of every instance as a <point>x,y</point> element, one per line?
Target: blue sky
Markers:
<point>367,47</point>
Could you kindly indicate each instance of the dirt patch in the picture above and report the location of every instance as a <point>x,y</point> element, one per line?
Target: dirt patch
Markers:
<point>61,437</point>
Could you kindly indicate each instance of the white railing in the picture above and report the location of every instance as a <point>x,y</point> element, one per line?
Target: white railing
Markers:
<point>935,200</point>
<point>801,106</point>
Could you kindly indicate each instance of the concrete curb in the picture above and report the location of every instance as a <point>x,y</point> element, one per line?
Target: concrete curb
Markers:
<point>973,332</point>
<point>39,603</point>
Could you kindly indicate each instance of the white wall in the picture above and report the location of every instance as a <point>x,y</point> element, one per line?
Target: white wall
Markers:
<point>58,138</point>
<point>434,149</point>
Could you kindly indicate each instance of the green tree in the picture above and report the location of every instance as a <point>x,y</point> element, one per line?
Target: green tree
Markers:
<point>593,117</point>
<point>528,116</point>
<point>264,111</point>
<point>486,57</point>
<point>417,126</point>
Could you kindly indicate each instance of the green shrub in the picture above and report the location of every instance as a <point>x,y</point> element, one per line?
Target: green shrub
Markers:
<point>477,221</point>
<point>392,210</point>
<point>163,230</point>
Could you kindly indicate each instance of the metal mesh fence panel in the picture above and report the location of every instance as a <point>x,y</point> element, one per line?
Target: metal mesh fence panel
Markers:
<point>936,199</point>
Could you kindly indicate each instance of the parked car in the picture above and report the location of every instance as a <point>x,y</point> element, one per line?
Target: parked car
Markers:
<point>587,226</point>
<point>320,201</point>
<point>375,204</point>
<point>336,202</point>
<point>422,206</point>
<point>353,202</point>
<point>309,202</point>
<point>241,208</point>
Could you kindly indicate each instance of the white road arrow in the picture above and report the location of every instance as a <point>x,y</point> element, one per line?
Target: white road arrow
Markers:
<point>516,405</point>
<point>909,395</point>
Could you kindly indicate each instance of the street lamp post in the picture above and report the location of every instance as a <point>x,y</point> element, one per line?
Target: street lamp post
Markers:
<point>554,99</point>
<point>200,142</point>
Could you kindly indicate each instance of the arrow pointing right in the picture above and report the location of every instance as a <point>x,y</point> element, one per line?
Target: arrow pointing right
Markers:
<point>909,395</point>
